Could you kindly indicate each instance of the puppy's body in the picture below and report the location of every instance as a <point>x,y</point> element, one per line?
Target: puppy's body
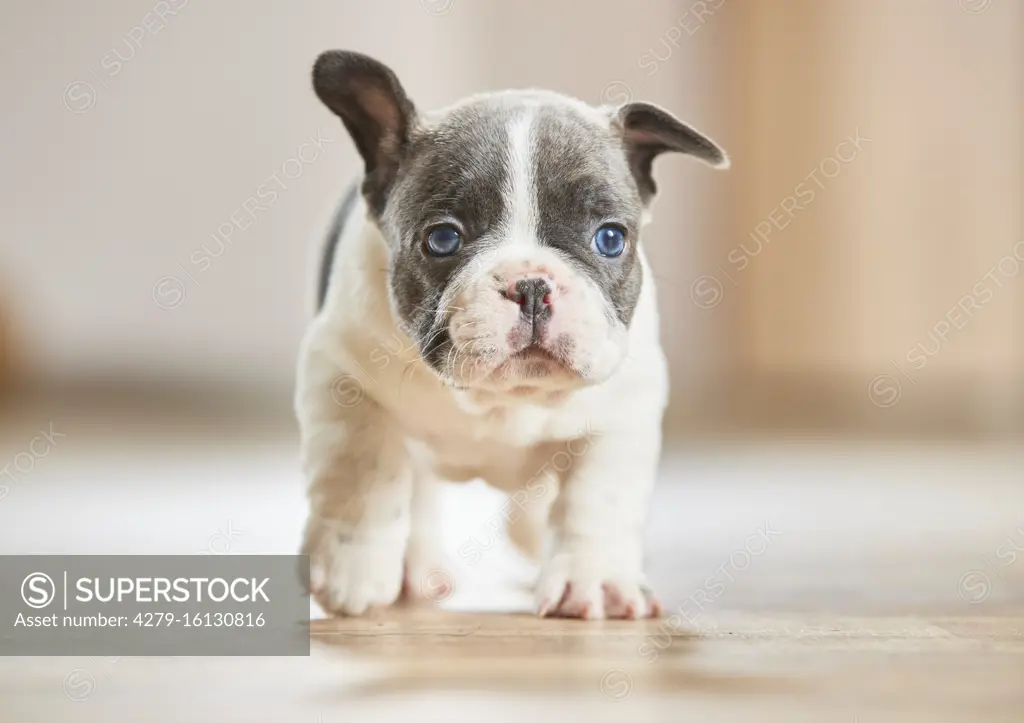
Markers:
<point>424,366</point>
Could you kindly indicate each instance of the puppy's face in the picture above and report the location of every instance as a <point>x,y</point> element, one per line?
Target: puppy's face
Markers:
<point>513,221</point>
<point>514,224</point>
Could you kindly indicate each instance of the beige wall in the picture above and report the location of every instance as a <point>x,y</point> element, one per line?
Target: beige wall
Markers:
<point>900,234</point>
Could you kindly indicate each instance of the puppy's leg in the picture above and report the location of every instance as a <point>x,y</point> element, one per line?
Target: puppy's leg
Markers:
<point>596,570</point>
<point>528,528</point>
<point>360,492</point>
<point>425,575</point>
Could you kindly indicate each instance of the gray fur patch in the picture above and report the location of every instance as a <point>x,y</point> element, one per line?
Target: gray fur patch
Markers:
<point>583,181</point>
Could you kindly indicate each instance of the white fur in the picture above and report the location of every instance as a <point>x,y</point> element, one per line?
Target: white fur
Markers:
<point>522,229</point>
<point>379,427</point>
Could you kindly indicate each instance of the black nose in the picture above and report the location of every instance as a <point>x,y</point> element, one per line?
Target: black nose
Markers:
<point>534,299</point>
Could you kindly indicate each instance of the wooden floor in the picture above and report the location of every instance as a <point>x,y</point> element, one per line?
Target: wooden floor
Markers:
<point>847,583</point>
<point>779,667</point>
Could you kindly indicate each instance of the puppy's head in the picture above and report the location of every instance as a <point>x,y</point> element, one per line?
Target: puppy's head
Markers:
<point>512,221</point>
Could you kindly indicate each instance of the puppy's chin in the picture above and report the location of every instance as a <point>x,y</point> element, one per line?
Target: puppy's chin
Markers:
<point>532,376</point>
<point>533,368</point>
<point>544,372</point>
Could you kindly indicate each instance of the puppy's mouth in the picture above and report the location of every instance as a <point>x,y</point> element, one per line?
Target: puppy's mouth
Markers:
<point>535,361</point>
<point>536,353</point>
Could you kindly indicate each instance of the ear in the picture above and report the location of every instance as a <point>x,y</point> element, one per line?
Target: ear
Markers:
<point>370,101</point>
<point>648,131</point>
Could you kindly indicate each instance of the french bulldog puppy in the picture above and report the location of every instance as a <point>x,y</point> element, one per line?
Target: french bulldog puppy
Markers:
<point>486,312</point>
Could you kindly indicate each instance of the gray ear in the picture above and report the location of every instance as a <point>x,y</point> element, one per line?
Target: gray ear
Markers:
<point>370,101</point>
<point>648,131</point>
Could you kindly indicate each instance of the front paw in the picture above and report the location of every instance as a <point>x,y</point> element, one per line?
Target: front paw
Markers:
<point>592,585</point>
<point>350,573</point>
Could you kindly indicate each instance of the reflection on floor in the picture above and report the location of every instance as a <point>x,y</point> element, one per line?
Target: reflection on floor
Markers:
<point>802,582</point>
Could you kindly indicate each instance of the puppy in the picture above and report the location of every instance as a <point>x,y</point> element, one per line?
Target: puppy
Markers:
<point>486,311</point>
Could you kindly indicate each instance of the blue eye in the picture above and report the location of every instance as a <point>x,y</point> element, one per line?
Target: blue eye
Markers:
<point>610,240</point>
<point>443,240</point>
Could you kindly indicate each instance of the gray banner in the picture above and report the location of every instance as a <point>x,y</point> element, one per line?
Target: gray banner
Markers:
<point>153,605</point>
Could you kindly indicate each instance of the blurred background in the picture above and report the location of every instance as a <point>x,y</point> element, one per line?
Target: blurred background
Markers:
<point>843,311</point>
<point>857,271</point>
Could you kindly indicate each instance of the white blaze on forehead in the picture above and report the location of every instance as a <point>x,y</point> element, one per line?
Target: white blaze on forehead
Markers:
<point>520,190</point>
